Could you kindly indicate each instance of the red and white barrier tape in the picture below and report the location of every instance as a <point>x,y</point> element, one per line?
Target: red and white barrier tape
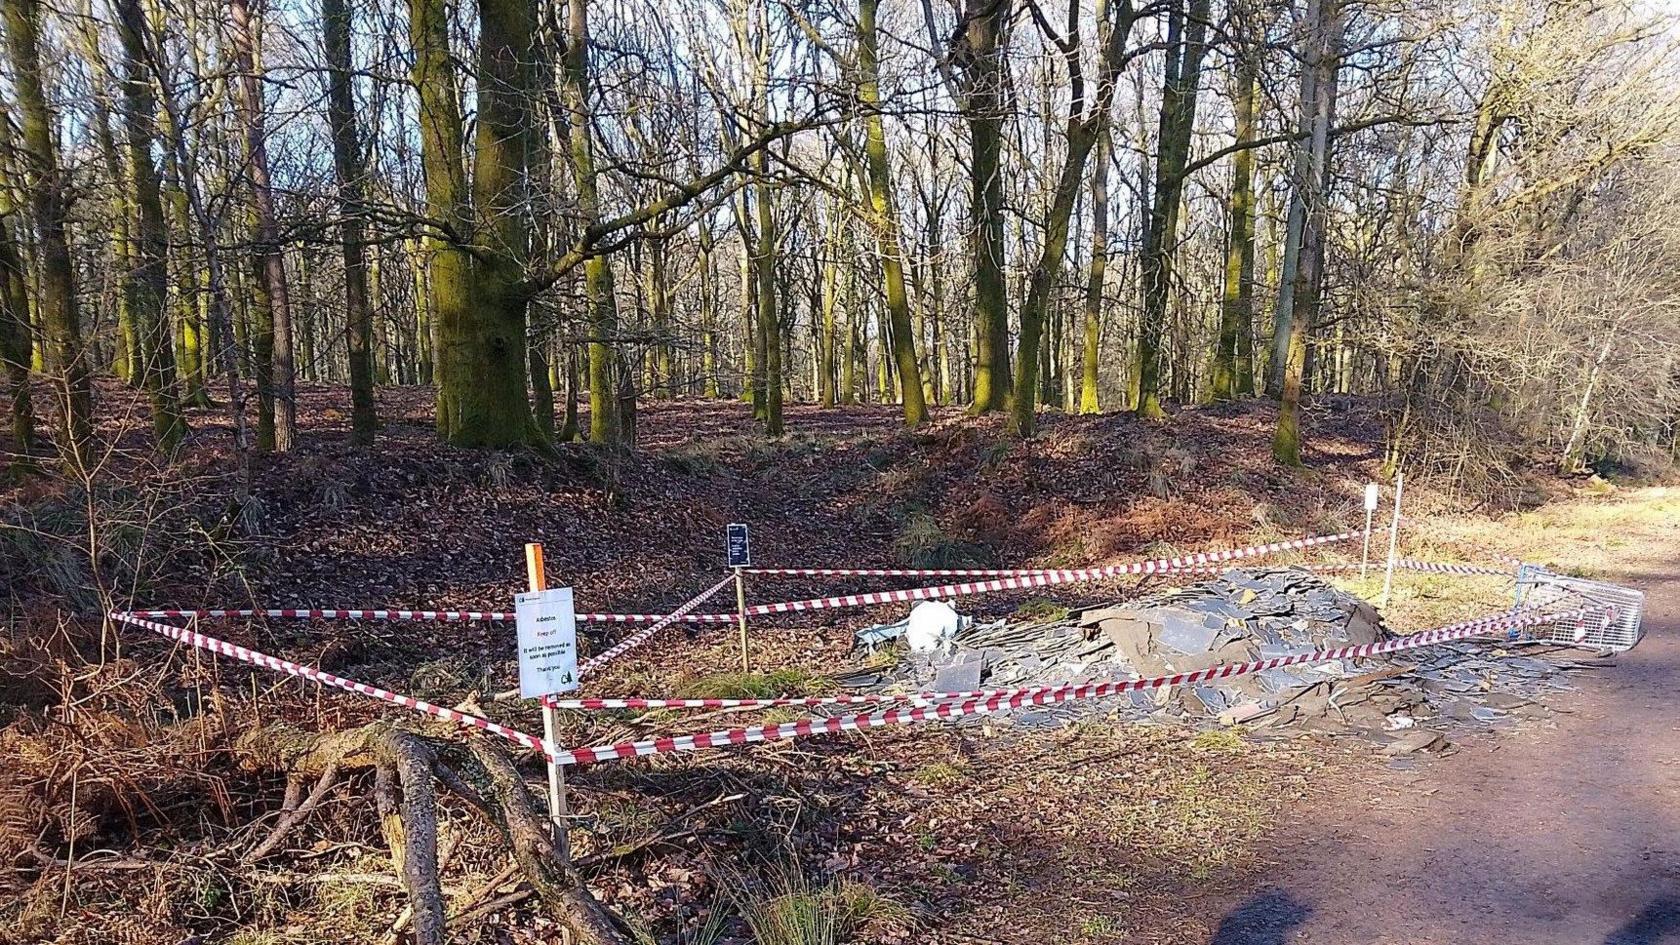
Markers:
<point>1015,579</point>
<point>447,616</point>
<point>321,676</point>
<point>980,703</point>
<point>1073,575</point>
<point>899,572</point>
<point>1412,564</point>
<point>642,636</point>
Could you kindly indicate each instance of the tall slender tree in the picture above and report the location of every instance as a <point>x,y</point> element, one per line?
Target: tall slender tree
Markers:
<point>883,218</point>
<point>149,293</point>
<point>269,255</point>
<point>348,167</point>
<point>14,313</point>
<point>1086,123</point>
<point>64,356</point>
<point>1233,373</point>
<point>1319,82</point>
<point>1186,45</point>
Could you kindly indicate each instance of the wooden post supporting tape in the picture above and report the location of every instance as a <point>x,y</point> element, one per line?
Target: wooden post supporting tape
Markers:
<point>557,812</point>
<point>741,609</point>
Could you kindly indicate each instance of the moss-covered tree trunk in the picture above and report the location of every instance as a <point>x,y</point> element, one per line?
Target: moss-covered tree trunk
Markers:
<point>984,103</point>
<point>769,329</point>
<point>1186,47</point>
<point>125,361</point>
<point>884,220</point>
<point>1236,317</point>
<point>1090,353</point>
<point>1082,133</point>
<point>149,290</point>
<point>487,382</point>
<point>14,318</point>
<point>347,166</point>
<point>1022,407</point>
<point>827,353</point>
<point>63,356</point>
<point>599,289</point>
<point>441,148</point>
<point>270,259</point>
<point>1318,106</point>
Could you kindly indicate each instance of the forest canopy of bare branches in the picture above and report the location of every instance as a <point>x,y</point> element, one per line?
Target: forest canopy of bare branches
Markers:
<point>551,211</point>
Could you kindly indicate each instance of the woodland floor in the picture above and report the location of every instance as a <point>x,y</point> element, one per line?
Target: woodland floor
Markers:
<point>1100,833</point>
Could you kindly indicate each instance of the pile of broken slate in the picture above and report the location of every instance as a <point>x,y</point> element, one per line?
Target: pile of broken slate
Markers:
<point>1405,703</point>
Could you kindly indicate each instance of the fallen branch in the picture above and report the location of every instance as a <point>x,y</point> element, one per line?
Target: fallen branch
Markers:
<point>325,783</point>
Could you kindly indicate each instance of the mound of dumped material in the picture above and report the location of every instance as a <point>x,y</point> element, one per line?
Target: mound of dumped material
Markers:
<point>1237,617</point>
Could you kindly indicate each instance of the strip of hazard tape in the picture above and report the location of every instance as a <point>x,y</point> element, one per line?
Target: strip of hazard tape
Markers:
<point>948,706</point>
<point>1191,563</point>
<point>446,616</point>
<point>1074,575</point>
<point>642,636</point>
<point>255,658</point>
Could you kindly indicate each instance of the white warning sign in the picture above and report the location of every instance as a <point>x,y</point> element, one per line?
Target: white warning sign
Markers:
<point>547,642</point>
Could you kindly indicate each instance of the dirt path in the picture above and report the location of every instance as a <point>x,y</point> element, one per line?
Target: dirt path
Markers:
<point>1562,833</point>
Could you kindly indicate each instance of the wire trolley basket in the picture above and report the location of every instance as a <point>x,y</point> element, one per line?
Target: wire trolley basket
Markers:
<point>1615,631</point>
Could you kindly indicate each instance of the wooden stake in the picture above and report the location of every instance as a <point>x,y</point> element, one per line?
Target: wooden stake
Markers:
<point>741,611</point>
<point>557,811</point>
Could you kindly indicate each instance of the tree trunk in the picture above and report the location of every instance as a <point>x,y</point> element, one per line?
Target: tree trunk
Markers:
<point>1177,120</point>
<point>604,368</point>
<point>150,275</point>
<point>1089,398</point>
<point>1313,189</point>
<point>984,105</point>
<point>64,359</point>
<point>125,361</point>
<point>347,165</point>
<point>267,250</point>
<point>14,321</point>
<point>826,343</point>
<point>768,334</point>
<point>487,379</point>
<point>1237,309</point>
<point>884,217</point>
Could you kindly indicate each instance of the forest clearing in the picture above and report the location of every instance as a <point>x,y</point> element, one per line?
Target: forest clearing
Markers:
<point>799,472</point>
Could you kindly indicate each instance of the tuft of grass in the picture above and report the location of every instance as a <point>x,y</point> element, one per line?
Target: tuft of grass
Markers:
<point>792,911</point>
<point>940,774</point>
<point>1101,927</point>
<point>790,681</point>
<point>1218,740</point>
<point>863,906</point>
<point>1040,610</point>
<point>921,543</point>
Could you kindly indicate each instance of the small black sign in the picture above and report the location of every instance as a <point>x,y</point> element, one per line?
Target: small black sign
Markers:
<point>740,556</point>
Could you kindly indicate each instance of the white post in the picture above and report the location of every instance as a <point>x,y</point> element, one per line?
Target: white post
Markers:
<point>556,773</point>
<point>1393,539</point>
<point>1370,510</point>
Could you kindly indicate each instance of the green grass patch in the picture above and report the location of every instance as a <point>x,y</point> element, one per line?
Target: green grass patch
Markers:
<point>791,681</point>
<point>940,774</point>
<point>1220,740</point>
<point>1040,610</point>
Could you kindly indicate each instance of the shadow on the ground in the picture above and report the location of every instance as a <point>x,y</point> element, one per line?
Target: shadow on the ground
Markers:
<point>1659,921</point>
<point>1265,918</point>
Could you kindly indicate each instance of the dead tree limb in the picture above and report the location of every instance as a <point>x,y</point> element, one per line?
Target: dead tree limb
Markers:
<point>412,759</point>
<point>297,814</point>
<point>557,884</point>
